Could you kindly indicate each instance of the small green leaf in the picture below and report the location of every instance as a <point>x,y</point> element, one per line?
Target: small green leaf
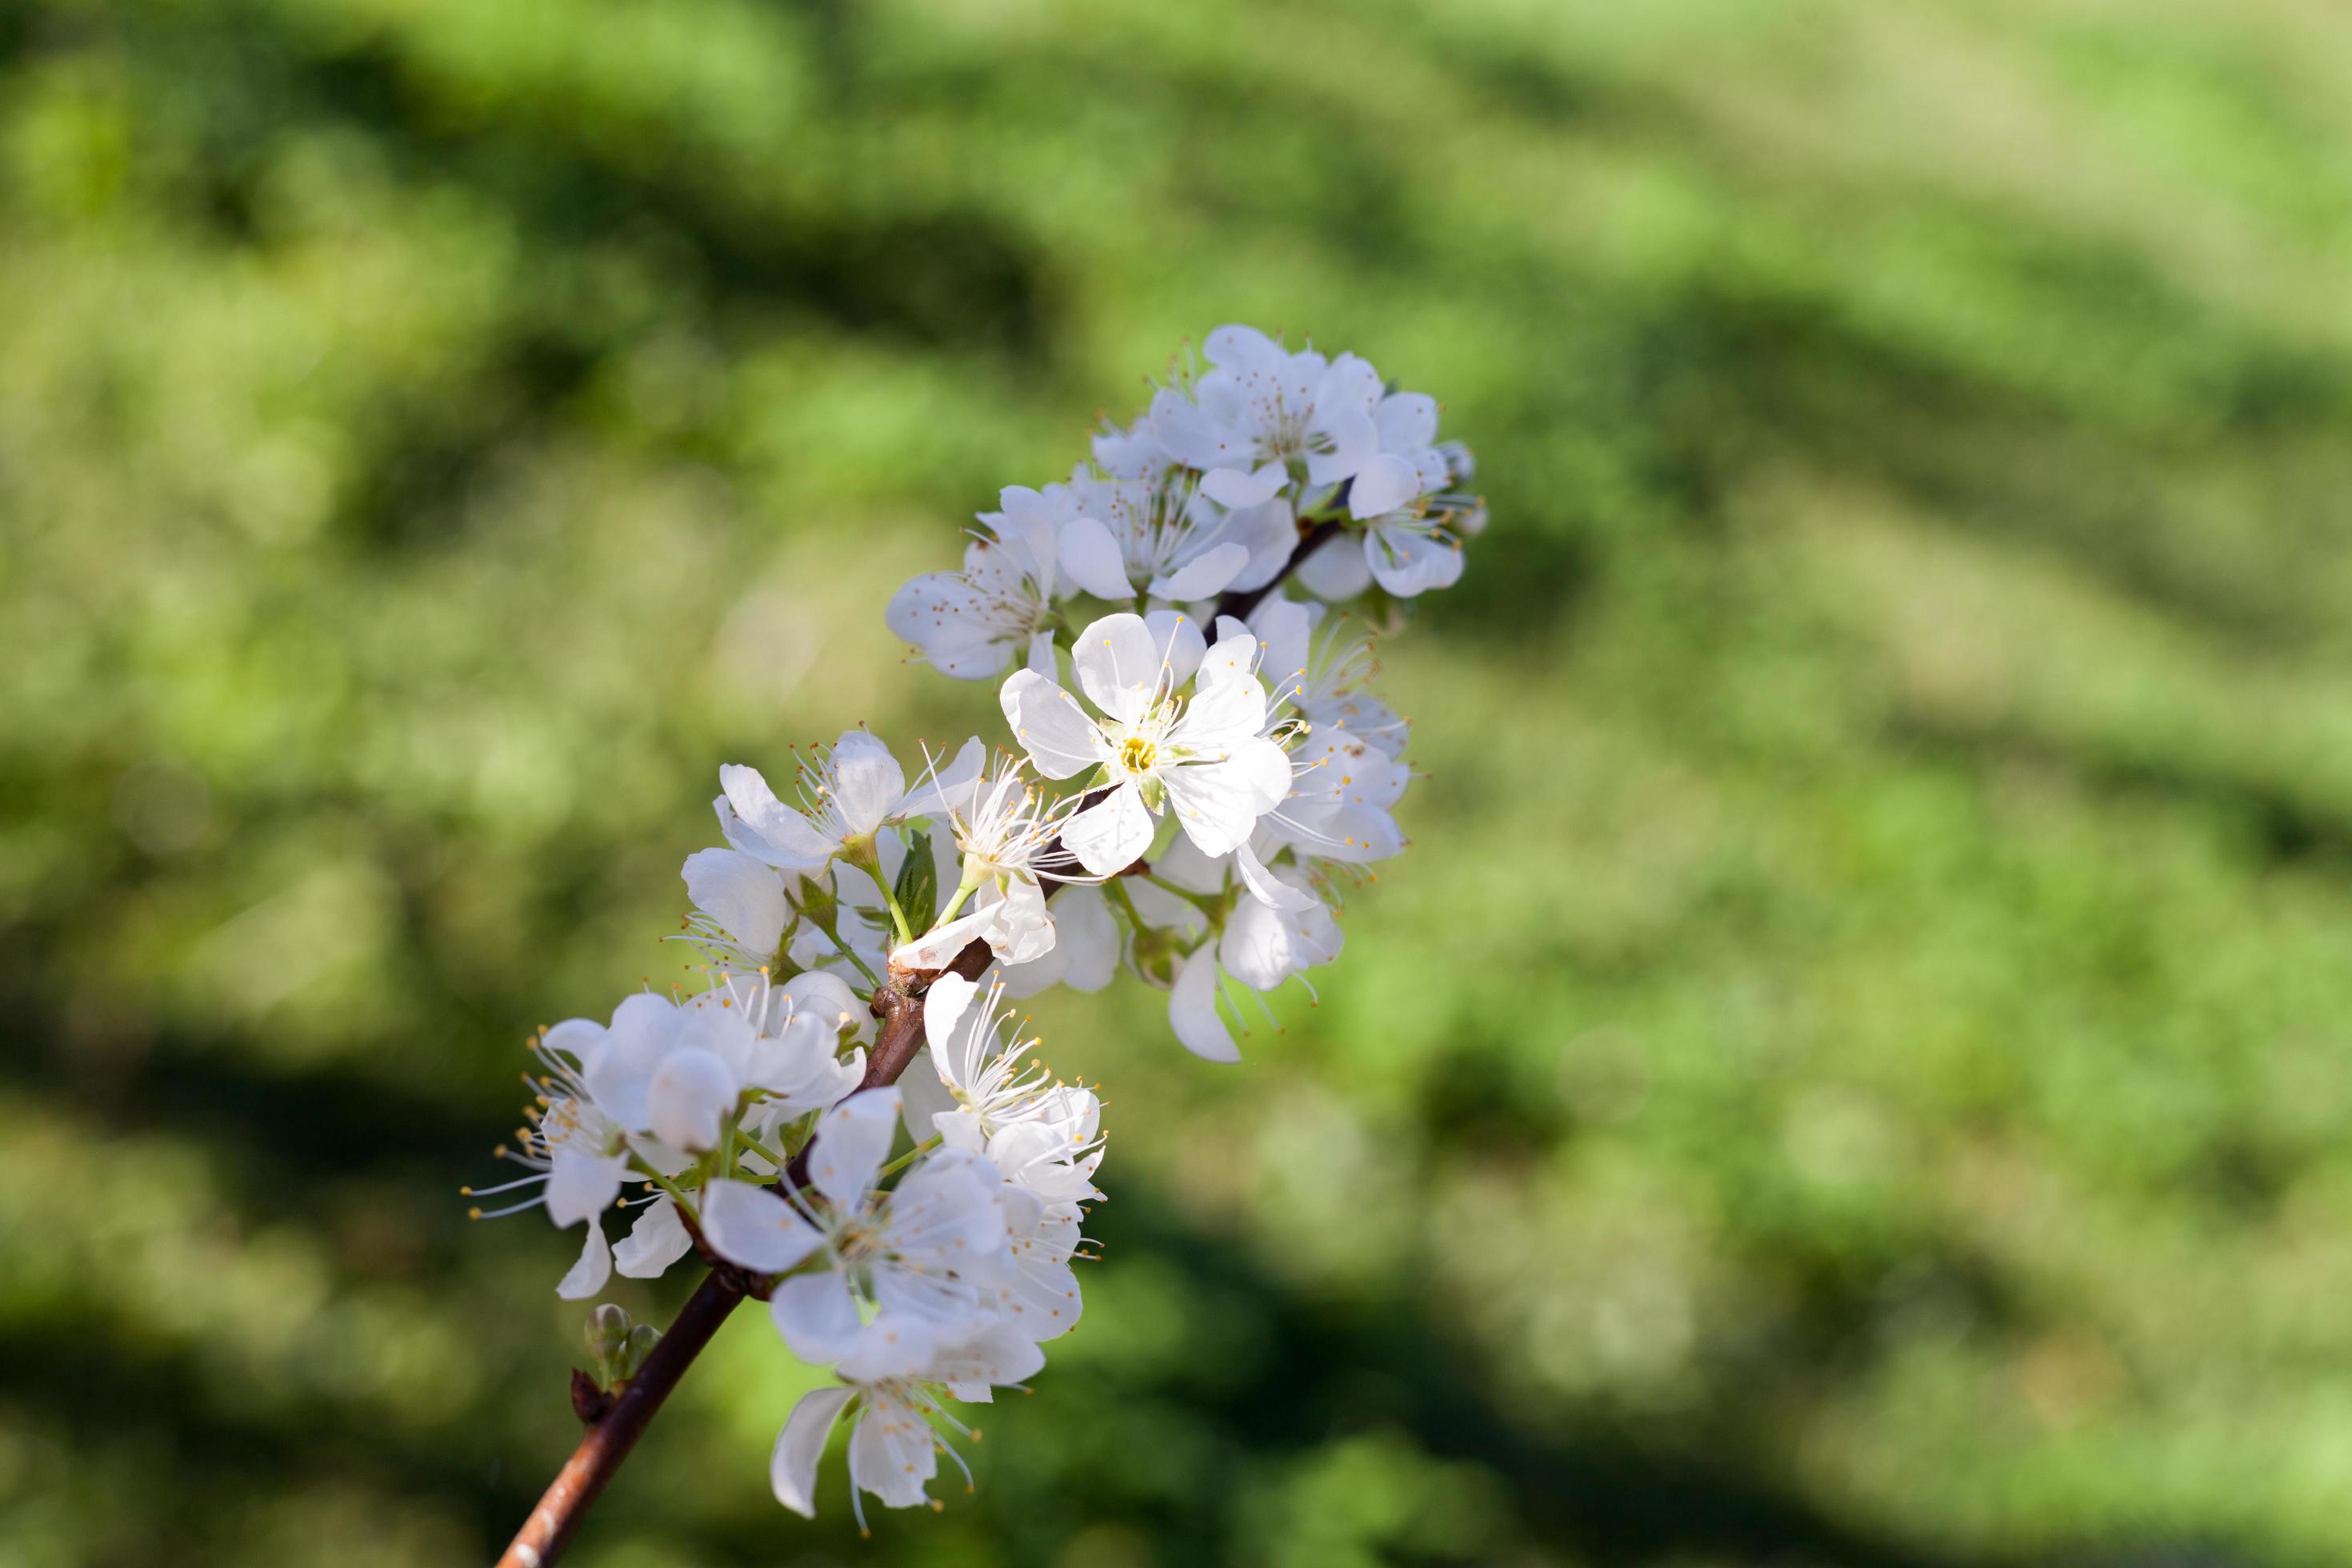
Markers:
<point>918,892</point>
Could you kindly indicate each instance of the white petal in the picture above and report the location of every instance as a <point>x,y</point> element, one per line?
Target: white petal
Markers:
<point>618,1070</point>
<point>1336,570</point>
<point>1235,656</point>
<point>688,1098</point>
<point>868,781</point>
<point>1407,421</point>
<point>1210,572</point>
<point>997,1354</point>
<point>1352,384</point>
<point>1408,562</point>
<point>950,995</point>
<point>951,622</point>
<point>1233,489</point>
<point>1192,436</point>
<point>1119,666</point>
<point>1269,889</point>
<point>1085,955</point>
<point>1091,559</point>
<point>817,1316</point>
<point>1268,768</point>
<point>936,948</point>
<point>754,1227</point>
<point>949,785</point>
<point>595,1266</point>
<point>1219,804</point>
<point>1270,532</point>
<point>791,843</point>
<point>745,897</point>
<point>1257,947</point>
<point>792,1470</point>
<point>891,1452</point>
<point>1193,1011</point>
<point>1052,727</point>
<point>849,1145</point>
<point>1041,652</point>
<point>1242,348</point>
<point>580,1186</point>
<point>1286,627</point>
<point>922,1094</point>
<point>1178,644</point>
<point>658,1239</point>
<point>1107,836</point>
<point>1354,442</point>
<point>892,1345</point>
<point>1023,930</point>
<point>830,1000</point>
<point>1386,484</point>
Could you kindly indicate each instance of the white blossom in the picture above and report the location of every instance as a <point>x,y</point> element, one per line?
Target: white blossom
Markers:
<point>1204,755</point>
<point>846,794</point>
<point>1160,534</point>
<point>893,1395</point>
<point>972,624</point>
<point>1041,1135</point>
<point>1265,406</point>
<point>926,1249</point>
<point>1008,836</point>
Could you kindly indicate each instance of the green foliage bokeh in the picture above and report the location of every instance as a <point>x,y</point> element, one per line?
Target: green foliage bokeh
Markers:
<point>1850,1071</point>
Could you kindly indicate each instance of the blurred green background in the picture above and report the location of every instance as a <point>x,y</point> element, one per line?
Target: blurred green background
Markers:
<point>1853,1070</point>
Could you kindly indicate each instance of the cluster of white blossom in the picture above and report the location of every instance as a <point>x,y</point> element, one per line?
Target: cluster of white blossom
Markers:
<point>1255,733</point>
<point>1230,773</point>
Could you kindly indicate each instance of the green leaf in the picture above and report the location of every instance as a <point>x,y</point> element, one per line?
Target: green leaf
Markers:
<point>917,889</point>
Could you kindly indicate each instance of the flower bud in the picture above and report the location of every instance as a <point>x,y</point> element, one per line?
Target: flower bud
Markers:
<point>607,1333</point>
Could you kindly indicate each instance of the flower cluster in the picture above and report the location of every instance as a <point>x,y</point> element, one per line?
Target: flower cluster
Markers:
<point>1227,774</point>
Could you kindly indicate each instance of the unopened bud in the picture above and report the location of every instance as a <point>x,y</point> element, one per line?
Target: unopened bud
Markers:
<point>607,1332</point>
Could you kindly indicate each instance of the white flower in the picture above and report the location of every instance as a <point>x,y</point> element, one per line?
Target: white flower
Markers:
<point>1322,664</point>
<point>1205,757</point>
<point>578,1159</point>
<point>1009,835</point>
<point>1263,944</point>
<point>925,1250</point>
<point>1160,533</point>
<point>1042,1135</point>
<point>1412,523</point>
<point>846,796</point>
<point>894,1397</point>
<point>1039,1294</point>
<point>1408,546</point>
<point>1265,406</point>
<point>677,1074</point>
<point>972,624</point>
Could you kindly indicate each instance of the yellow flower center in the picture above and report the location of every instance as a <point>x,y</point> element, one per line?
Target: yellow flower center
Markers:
<point>1136,754</point>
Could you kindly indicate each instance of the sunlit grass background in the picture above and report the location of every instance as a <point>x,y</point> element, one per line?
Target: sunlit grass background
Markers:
<point>1852,1071</point>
